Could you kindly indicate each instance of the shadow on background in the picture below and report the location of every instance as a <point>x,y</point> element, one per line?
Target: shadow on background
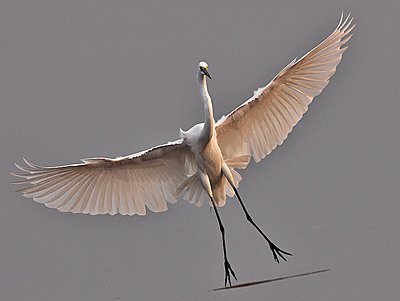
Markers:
<point>267,280</point>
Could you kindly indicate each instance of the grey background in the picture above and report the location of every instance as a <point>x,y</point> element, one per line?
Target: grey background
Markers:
<point>108,78</point>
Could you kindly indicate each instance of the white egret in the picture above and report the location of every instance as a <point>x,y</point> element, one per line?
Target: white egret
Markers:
<point>202,164</point>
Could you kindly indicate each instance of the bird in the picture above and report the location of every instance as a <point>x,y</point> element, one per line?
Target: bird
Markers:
<point>202,165</point>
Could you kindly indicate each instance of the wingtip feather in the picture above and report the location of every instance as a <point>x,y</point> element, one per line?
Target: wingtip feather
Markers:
<point>340,21</point>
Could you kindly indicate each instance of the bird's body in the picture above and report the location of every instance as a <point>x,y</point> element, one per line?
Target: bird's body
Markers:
<point>203,143</point>
<point>202,164</point>
<point>210,162</point>
<point>208,158</point>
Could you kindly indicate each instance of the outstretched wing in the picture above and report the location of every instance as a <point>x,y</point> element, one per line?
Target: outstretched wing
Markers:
<point>263,122</point>
<point>124,185</point>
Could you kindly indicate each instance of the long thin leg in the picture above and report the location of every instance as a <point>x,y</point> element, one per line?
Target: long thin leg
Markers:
<point>275,250</point>
<point>227,265</point>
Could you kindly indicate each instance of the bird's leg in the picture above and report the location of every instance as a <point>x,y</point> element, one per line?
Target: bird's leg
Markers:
<point>275,250</point>
<point>227,265</point>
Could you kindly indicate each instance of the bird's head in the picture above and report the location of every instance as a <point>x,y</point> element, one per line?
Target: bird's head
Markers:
<point>203,68</point>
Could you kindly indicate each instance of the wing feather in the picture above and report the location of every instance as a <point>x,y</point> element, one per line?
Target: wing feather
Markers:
<point>125,185</point>
<point>263,122</point>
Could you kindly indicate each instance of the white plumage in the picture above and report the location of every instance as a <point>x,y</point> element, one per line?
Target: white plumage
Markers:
<point>202,163</point>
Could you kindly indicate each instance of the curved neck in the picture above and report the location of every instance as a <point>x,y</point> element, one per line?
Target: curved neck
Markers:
<point>208,129</point>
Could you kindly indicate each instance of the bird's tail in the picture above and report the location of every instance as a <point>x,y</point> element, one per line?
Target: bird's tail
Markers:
<point>235,163</point>
<point>192,190</point>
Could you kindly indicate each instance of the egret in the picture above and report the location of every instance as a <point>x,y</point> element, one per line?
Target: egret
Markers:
<point>201,165</point>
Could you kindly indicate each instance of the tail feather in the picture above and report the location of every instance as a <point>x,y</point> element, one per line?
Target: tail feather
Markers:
<point>233,163</point>
<point>191,190</point>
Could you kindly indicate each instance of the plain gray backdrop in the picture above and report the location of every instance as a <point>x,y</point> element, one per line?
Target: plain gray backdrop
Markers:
<point>84,78</point>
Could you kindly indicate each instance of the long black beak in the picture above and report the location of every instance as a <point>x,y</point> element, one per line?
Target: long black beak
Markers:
<point>206,73</point>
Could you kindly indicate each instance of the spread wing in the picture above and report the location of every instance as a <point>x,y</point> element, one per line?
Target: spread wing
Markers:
<point>124,185</point>
<point>263,122</point>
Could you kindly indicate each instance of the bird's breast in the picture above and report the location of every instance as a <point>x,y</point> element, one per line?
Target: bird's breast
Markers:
<point>210,161</point>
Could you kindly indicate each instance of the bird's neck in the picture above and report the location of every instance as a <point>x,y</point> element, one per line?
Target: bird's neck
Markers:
<point>209,123</point>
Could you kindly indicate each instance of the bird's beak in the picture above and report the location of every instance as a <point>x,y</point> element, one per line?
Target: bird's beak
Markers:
<point>206,73</point>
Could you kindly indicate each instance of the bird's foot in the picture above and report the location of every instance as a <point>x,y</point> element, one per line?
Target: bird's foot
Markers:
<point>278,252</point>
<point>228,272</point>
